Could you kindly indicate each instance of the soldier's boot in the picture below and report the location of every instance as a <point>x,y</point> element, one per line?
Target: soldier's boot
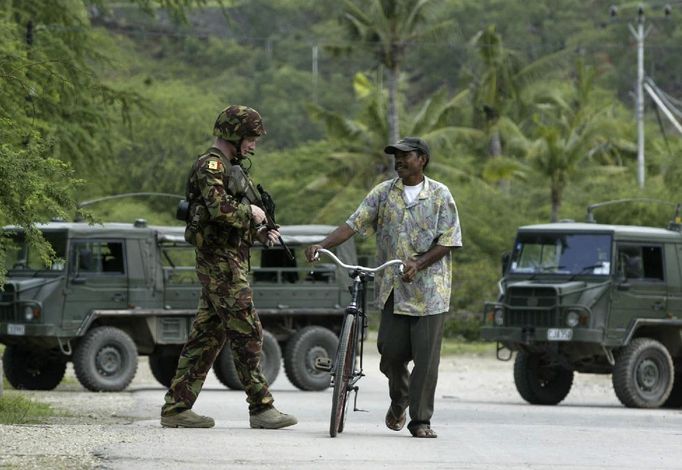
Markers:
<point>271,418</point>
<point>187,419</point>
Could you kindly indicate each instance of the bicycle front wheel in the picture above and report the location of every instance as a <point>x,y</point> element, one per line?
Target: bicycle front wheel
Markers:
<point>343,371</point>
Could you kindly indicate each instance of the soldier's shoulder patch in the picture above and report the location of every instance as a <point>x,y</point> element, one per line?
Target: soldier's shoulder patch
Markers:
<point>214,165</point>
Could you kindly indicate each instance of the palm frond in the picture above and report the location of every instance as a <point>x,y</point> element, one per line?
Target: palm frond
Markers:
<point>503,168</point>
<point>543,67</point>
<point>448,136</point>
<point>337,125</point>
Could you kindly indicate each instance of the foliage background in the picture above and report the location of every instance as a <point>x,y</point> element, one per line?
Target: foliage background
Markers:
<point>99,99</point>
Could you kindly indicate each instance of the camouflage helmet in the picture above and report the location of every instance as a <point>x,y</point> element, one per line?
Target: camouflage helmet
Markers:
<point>237,122</point>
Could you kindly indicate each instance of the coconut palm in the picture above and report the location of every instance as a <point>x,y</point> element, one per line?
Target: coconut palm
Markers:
<point>388,27</point>
<point>499,85</point>
<point>572,130</point>
<point>359,163</point>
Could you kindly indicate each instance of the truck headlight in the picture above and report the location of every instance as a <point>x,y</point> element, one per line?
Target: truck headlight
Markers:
<point>572,318</point>
<point>31,312</point>
<point>498,316</point>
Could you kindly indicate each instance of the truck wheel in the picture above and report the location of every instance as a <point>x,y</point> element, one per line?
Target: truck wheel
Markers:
<point>300,353</point>
<point>163,367</point>
<point>270,361</point>
<point>643,374</point>
<point>105,360</point>
<point>675,398</point>
<point>539,382</point>
<point>32,370</point>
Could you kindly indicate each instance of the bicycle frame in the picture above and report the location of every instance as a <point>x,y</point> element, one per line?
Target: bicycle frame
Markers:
<point>345,371</point>
<point>358,310</point>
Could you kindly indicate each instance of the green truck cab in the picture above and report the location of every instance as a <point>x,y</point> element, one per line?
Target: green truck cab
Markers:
<point>119,291</point>
<point>592,298</point>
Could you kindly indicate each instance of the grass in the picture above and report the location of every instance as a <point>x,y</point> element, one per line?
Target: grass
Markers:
<point>17,409</point>
<point>5,383</point>
<point>454,347</point>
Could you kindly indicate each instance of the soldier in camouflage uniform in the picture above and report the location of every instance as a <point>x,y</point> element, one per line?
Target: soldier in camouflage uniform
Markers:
<point>415,219</point>
<point>222,229</point>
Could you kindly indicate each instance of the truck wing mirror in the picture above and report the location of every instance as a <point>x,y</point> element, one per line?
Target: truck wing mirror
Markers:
<point>506,259</point>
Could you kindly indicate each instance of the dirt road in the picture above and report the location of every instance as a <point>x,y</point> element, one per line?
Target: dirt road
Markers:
<point>481,421</point>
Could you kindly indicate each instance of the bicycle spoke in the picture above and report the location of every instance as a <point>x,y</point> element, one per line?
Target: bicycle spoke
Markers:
<point>342,374</point>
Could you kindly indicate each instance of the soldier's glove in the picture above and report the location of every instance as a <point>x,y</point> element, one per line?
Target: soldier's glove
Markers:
<point>263,235</point>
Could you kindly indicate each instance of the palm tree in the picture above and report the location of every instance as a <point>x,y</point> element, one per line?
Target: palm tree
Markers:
<point>495,84</point>
<point>388,27</point>
<point>498,86</point>
<point>571,129</point>
<point>360,164</point>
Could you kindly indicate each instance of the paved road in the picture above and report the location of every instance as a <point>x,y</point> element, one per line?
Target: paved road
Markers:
<point>481,422</point>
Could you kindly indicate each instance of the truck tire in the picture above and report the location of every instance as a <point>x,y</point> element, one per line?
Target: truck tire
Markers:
<point>675,398</point>
<point>32,370</point>
<point>270,362</point>
<point>300,353</point>
<point>643,374</point>
<point>105,360</point>
<point>163,367</point>
<point>538,382</point>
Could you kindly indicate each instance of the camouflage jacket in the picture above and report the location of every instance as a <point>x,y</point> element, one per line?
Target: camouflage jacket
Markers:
<point>218,221</point>
<point>405,231</point>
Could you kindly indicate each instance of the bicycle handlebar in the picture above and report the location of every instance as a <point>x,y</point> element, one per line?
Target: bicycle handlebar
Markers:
<point>359,268</point>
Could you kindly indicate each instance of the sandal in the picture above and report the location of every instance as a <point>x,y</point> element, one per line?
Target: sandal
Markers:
<point>423,431</point>
<point>393,422</point>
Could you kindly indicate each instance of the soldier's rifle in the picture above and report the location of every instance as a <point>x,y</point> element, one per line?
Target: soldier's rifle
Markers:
<point>241,186</point>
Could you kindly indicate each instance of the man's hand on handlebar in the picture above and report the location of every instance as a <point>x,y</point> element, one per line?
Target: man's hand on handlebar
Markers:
<point>409,271</point>
<point>311,253</point>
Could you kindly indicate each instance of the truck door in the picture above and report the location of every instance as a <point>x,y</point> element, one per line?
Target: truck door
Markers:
<point>97,279</point>
<point>181,286</point>
<point>640,290</point>
<point>278,283</point>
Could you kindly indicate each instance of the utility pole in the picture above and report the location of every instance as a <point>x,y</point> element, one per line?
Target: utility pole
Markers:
<point>640,34</point>
<point>315,71</point>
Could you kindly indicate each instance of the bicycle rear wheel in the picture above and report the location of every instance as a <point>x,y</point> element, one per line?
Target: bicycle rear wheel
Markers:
<point>343,371</point>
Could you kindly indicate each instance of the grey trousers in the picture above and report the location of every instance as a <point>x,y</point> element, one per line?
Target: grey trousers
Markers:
<point>402,339</point>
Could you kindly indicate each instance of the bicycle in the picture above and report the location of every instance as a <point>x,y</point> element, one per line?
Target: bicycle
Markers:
<point>347,369</point>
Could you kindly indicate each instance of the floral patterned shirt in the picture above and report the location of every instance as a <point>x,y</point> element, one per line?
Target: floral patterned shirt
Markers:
<point>405,231</point>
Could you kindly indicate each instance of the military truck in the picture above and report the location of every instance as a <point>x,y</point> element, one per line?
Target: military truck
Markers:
<point>592,298</point>
<point>119,291</point>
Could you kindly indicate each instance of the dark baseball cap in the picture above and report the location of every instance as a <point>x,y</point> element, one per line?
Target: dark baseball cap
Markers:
<point>408,144</point>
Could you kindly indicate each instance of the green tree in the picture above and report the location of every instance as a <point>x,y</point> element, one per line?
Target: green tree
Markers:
<point>389,26</point>
<point>356,164</point>
<point>55,110</point>
<point>572,130</point>
<point>499,82</point>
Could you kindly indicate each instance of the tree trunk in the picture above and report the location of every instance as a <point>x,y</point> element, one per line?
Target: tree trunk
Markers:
<point>556,203</point>
<point>393,113</point>
<point>495,145</point>
<point>494,151</point>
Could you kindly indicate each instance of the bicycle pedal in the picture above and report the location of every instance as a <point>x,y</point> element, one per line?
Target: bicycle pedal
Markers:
<point>323,364</point>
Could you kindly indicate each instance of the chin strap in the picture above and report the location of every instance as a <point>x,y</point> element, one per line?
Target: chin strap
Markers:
<point>238,154</point>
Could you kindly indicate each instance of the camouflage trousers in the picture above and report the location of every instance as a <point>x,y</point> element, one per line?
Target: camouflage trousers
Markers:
<point>225,312</point>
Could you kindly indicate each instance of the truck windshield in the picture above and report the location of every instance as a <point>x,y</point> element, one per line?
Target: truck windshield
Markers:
<point>561,253</point>
<point>21,256</point>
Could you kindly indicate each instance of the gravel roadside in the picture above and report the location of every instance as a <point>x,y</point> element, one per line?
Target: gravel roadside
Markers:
<point>84,422</point>
<point>90,422</point>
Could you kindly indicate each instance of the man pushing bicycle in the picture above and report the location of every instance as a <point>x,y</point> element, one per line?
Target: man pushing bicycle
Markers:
<point>415,219</point>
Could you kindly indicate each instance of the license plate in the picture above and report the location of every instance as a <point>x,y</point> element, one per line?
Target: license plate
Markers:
<point>559,334</point>
<point>16,330</point>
